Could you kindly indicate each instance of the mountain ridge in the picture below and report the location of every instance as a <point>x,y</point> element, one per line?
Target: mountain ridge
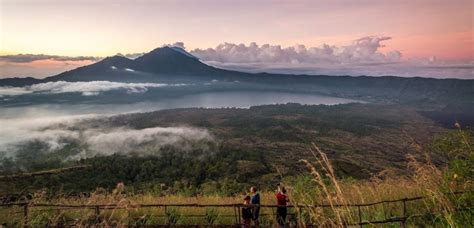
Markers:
<point>174,65</point>
<point>160,61</point>
<point>170,63</point>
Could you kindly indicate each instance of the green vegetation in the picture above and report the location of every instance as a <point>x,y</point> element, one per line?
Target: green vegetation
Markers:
<point>251,146</point>
<point>439,207</point>
<point>371,153</point>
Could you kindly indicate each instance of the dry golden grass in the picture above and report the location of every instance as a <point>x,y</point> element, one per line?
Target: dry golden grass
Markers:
<point>426,180</point>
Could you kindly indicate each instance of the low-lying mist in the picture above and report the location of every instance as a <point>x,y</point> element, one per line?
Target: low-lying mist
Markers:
<point>70,137</point>
<point>69,131</point>
<point>85,88</point>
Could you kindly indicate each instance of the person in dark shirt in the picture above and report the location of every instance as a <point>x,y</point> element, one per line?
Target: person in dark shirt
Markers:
<point>255,201</point>
<point>282,201</point>
<point>246,213</point>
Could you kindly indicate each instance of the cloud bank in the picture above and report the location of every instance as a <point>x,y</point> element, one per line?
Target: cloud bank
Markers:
<point>58,132</point>
<point>363,50</point>
<point>362,57</point>
<point>143,141</point>
<point>26,58</point>
<point>85,88</point>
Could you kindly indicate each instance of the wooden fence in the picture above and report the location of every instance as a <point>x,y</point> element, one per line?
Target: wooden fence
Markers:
<point>98,208</point>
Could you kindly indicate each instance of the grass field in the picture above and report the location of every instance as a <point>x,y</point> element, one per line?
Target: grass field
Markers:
<point>439,207</point>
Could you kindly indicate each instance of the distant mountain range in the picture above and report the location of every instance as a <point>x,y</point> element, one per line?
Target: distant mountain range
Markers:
<point>161,64</point>
<point>173,64</point>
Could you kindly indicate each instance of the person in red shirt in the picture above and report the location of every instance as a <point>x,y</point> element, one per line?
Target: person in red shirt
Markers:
<point>282,202</point>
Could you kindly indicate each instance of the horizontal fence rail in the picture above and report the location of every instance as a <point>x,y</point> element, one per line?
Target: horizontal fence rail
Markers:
<point>105,206</point>
<point>27,206</point>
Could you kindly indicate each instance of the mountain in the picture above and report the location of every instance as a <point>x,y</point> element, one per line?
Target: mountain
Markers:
<point>161,64</point>
<point>109,69</point>
<point>167,60</point>
<point>175,65</point>
<point>17,82</point>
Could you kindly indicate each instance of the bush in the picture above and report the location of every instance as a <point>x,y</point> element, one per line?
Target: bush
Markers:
<point>211,216</point>
<point>173,216</point>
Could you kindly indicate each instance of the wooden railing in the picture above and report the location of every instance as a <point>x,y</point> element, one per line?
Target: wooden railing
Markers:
<point>98,208</point>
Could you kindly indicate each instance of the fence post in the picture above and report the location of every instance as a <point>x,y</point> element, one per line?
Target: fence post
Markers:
<point>235,215</point>
<point>404,212</point>
<point>300,216</point>
<point>166,215</point>
<point>273,215</point>
<point>25,215</point>
<point>360,215</point>
<point>238,211</point>
<point>97,213</point>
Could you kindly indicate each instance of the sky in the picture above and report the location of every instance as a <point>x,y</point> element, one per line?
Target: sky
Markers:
<point>430,38</point>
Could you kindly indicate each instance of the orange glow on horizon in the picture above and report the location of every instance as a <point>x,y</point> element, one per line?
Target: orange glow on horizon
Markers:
<point>419,29</point>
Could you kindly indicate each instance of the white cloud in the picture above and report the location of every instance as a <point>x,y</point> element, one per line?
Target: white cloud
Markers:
<point>57,131</point>
<point>12,91</point>
<point>134,55</point>
<point>142,141</point>
<point>365,49</point>
<point>26,58</point>
<point>178,44</point>
<point>362,57</point>
<point>86,88</point>
<point>17,130</point>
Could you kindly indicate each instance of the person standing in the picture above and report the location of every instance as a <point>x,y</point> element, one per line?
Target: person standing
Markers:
<point>246,213</point>
<point>255,201</point>
<point>282,202</point>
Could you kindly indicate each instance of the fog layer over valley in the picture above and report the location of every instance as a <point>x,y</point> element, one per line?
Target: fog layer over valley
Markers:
<point>64,129</point>
<point>85,88</point>
<point>52,116</point>
<point>72,138</point>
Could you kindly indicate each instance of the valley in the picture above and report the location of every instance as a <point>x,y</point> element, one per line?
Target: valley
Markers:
<point>257,145</point>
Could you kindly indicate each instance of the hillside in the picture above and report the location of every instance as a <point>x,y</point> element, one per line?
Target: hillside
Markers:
<point>254,145</point>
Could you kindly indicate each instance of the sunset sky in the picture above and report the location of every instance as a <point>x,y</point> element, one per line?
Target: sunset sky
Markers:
<point>421,30</point>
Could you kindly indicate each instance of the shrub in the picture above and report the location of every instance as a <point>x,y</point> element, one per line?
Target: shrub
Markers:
<point>211,216</point>
<point>173,216</point>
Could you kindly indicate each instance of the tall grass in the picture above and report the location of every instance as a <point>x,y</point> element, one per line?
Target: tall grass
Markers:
<point>439,207</point>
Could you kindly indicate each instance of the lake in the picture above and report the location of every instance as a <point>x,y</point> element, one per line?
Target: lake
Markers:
<point>237,99</point>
